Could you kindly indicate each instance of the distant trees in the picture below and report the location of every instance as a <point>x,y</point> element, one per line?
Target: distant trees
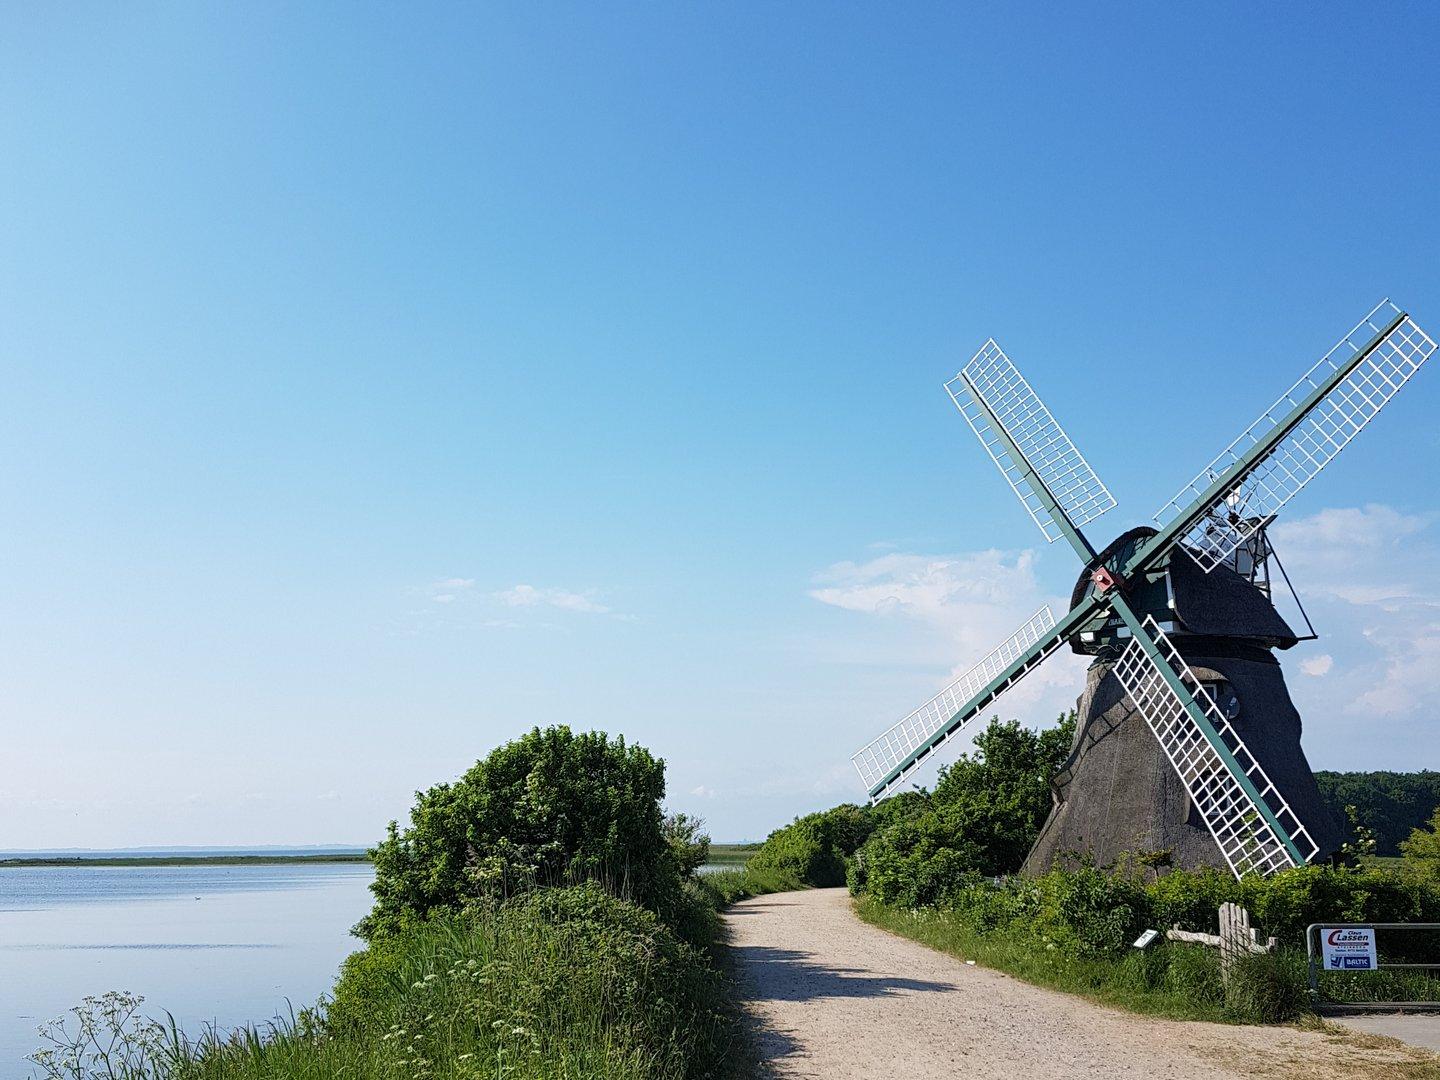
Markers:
<point>1423,845</point>
<point>1390,804</point>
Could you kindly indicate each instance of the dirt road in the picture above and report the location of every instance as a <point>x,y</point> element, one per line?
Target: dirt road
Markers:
<point>832,997</point>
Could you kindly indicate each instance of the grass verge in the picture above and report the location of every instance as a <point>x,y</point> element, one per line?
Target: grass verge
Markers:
<point>1177,982</point>
<point>1172,980</point>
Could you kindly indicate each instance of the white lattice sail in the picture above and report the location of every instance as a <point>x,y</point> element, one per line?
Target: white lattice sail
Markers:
<point>991,377</point>
<point>1248,841</point>
<point>1314,442</point>
<point>898,745</point>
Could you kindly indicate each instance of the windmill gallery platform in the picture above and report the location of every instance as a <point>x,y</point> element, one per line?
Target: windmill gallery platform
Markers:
<point>828,996</point>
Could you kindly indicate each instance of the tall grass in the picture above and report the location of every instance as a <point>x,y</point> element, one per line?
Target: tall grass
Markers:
<point>724,887</point>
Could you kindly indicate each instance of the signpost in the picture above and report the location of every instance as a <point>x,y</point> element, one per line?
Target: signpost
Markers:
<point>1348,948</point>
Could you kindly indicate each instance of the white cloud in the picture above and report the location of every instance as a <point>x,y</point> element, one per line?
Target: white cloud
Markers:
<point>1371,576</point>
<point>329,796</point>
<point>1355,554</point>
<point>703,792</point>
<point>1406,688</point>
<point>525,596</point>
<point>448,590</point>
<point>954,593</point>
<point>967,604</point>
<point>1337,530</point>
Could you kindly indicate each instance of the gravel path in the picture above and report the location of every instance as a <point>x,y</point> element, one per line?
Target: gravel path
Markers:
<point>830,996</point>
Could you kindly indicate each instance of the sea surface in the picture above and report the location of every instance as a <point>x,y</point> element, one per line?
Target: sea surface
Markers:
<point>224,945</point>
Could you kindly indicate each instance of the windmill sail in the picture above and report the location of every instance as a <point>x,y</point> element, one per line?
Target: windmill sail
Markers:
<point>990,392</point>
<point>1314,420</point>
<point>1211,764</point>
<point>885,762</point>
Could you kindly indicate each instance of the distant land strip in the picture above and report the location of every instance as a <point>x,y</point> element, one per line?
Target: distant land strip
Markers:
<point>185,860</point>
<point>720,855</point>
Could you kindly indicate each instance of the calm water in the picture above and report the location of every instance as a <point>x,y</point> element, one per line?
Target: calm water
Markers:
<point>222,944</point>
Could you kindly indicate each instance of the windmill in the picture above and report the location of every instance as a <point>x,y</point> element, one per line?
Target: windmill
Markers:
<point>1187,740</point>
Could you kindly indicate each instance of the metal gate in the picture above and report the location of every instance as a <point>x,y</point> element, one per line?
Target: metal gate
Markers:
<point>1312,957</point>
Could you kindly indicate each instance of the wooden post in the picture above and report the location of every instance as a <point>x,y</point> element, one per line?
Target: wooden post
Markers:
<point>1236,937</point>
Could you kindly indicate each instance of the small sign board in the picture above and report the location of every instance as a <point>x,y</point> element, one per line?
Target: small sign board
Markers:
<point>1348,948</point>
<point>1148,938</point>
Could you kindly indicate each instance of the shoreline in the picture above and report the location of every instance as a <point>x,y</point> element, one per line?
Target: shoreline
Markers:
<point>721,855</point>
<point>183,860</point>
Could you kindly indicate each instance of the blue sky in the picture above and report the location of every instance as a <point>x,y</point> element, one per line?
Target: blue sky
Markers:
<point>380,382</point>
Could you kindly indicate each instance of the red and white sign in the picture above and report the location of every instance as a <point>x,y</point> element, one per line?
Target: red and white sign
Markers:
<point>1348,948</point>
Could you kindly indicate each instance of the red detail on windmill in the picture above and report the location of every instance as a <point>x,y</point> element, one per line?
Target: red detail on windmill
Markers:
<point>1104,580</point>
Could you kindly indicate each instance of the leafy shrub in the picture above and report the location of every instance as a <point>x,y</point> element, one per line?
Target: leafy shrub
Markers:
<point>1091,911</point>
<point>801,851</point>
<point>982,818</point>
<point>549,808</point>
<point>1285,904</point>
<point>919,862</point>
<point>813,849</point>
<point>1191,899</point>
<point>688,840</point>
<point>998,797</point>
<point>1423,846</point>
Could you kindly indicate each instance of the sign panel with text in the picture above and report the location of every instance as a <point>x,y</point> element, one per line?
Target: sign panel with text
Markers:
<point>1349,948</point>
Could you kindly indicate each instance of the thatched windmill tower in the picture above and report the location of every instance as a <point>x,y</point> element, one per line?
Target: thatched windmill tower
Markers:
<point>1188,741</point>
<point>1117,793</point>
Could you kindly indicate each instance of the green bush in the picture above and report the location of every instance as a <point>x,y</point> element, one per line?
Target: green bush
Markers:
<point>982,818</point>
<point>1191,899</point>
<point>814,849</point>
<point>688,840</point>
<point>920,862</point>
<point>551,808</point>
<point>1090,911</point>
<point>1422,848</point>
<point>803,851</point>
<point>1285,904</point>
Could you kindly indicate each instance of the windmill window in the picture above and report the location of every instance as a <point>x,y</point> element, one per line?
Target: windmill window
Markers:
<point>1224,697</point>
